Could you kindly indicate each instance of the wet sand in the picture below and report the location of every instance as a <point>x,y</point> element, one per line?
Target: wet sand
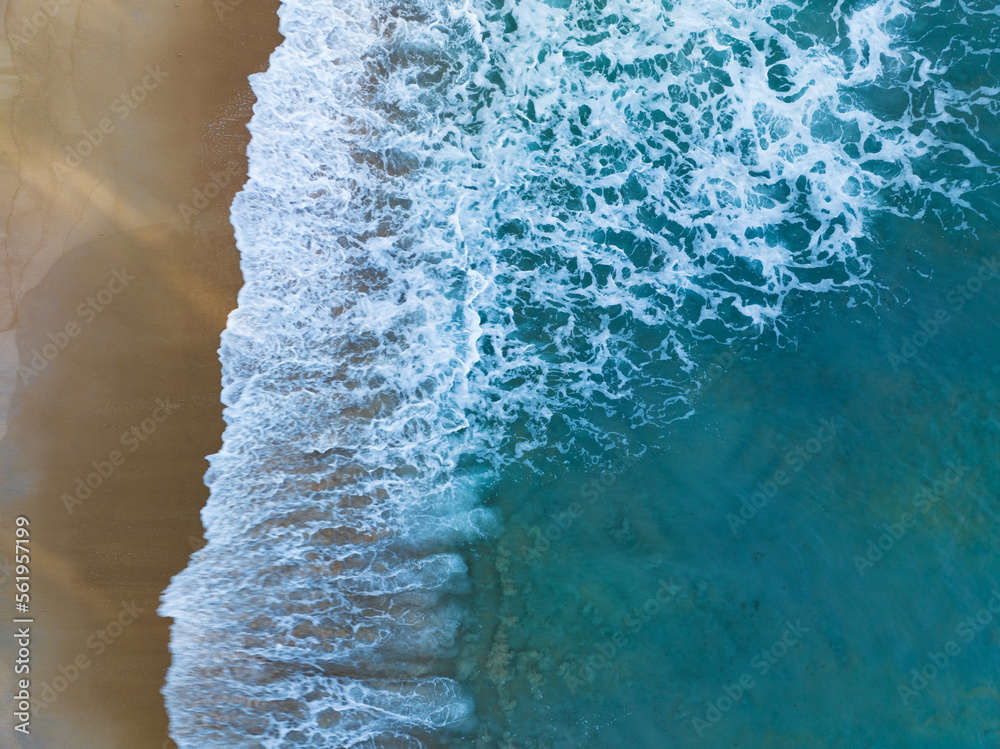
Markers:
<point>114,116</point>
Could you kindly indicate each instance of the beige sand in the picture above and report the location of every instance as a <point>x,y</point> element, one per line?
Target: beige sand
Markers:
<point>113,114</point>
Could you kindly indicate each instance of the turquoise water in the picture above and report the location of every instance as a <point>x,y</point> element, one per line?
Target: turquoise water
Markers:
<point>608,373</point>
<point>583,551</point>
<point>622,605</point>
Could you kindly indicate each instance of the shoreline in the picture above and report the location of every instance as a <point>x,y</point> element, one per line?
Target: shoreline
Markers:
<point>128,142</point>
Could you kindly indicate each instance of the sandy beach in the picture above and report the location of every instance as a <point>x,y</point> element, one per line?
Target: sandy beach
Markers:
<point>124,142</point>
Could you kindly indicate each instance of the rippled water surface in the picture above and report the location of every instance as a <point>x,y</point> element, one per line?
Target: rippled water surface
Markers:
<point>608,373</point>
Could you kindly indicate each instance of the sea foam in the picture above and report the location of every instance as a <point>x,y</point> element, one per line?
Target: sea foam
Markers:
<point>469,229</point>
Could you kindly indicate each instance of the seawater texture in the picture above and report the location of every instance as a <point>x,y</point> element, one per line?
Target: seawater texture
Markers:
<point>473,231</point>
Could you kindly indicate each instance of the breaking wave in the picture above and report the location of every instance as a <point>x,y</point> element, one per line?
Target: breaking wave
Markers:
<point>471,229</point>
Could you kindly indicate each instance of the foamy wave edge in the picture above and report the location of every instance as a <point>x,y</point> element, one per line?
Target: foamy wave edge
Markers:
<point>401,221</point>
<point>322,610</point>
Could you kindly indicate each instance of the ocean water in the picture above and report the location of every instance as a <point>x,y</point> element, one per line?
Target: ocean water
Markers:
<point>608,373</point>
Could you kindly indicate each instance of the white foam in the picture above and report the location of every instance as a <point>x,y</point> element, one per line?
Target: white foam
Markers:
<point>462,220</point>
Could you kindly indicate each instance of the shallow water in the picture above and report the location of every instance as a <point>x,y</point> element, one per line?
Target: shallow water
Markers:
<point>855,445</point>
<point>606,373</point>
